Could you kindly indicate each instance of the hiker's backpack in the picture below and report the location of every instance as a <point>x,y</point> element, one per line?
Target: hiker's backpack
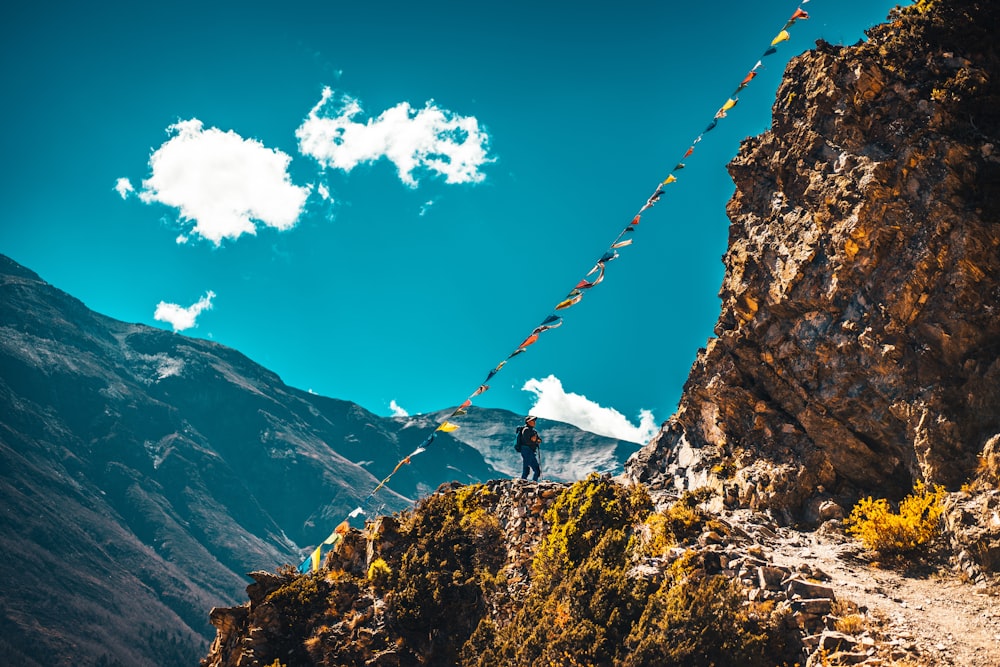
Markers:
<point>517,442</point>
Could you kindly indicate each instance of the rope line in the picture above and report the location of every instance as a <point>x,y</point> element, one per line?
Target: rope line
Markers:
<point>573,297</point>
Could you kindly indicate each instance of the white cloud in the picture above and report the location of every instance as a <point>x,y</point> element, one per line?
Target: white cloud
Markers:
<point>123,187</point>
<point>397,411</point>
<point>181,318</point>
<point>553,402</point>
<point>430,139</point>
<point>426,207</point>
<point>222,183</point>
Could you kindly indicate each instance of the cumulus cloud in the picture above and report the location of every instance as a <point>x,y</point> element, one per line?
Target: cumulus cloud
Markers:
<point>429,139</point>
<point>553,402</point>
<point>123,187</point>
<point>181,318</point>
<point>222,183</point>
<point>397,411</point>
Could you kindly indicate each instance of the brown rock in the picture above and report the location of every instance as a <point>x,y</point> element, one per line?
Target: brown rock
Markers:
<point>856,347</point>
<point>816,606</point>
<point>770,578</point>
<point>805,589</point>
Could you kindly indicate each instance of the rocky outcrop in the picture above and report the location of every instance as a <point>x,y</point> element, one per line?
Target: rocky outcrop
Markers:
<point>254,632</point>
<point>350,614</point>
<point>858,344</point>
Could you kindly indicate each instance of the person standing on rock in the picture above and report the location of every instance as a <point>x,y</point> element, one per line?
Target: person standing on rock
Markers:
<point>528,442</point>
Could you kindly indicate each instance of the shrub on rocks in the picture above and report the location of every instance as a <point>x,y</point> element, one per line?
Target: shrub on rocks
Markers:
<point>916,525</point>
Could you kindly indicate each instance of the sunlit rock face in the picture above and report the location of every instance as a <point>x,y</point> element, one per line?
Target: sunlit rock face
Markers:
<point>857,346</point>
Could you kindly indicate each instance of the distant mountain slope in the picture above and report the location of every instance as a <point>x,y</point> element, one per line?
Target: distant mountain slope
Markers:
<point>143,473</point>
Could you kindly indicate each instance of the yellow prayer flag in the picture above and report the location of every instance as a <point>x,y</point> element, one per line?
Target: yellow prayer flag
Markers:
<point>566,303</point>
<point>447,427</point>
<point>315,559</point>
<point>670,179</point>
<point>782,36</point>
<point>730,103</point>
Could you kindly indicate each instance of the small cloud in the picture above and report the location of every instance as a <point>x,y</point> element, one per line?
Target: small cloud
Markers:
<point>181,318</point>
<point>396,410</point>
<point>222,183</point>
<point>553,402</point>
<point>426,207</point>
<point>123,187</point>
<point>429,139</point>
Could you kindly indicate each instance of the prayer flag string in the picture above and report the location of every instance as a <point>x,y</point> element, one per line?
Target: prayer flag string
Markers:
<point>573,297</point>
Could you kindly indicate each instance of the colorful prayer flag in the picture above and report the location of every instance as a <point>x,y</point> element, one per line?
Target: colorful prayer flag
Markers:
<point>571,299</point>
<point>447,427</point>
<point>495,370</point>
<point>530,340</point>
<point>782,36</point>
<point>314,559</point>
<point>607,257</point>
<point>587,284</point>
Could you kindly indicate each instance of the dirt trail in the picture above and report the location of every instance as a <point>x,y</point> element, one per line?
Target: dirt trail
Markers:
<point>933,618</point>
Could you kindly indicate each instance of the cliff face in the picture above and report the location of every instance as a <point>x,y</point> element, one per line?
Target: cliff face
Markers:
<point>857,347</point>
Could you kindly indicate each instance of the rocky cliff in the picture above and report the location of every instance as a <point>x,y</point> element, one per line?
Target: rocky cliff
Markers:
<point>858,347</point>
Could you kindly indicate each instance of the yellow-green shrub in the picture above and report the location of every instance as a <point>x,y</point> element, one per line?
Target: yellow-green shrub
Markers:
<point>379,573</point>
<point>915,525</point>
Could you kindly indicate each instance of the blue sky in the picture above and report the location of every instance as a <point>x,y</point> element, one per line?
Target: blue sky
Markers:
<point>380,201</point>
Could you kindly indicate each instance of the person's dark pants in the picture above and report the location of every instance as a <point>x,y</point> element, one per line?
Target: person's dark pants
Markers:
<point>529,461</point>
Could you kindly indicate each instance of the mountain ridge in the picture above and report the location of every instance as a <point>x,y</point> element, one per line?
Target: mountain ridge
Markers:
<point>172,466</point>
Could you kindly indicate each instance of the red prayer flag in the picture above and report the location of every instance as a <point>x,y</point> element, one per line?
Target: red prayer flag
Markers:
<point>528,341</point>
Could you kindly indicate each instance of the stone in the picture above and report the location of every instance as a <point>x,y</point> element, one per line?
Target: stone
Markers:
<point>847,657</point>
<point>830,510</point>
<point>816,606</point>
<point>832,640</point>
<point>770,578</point>
<point>806,589</point>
